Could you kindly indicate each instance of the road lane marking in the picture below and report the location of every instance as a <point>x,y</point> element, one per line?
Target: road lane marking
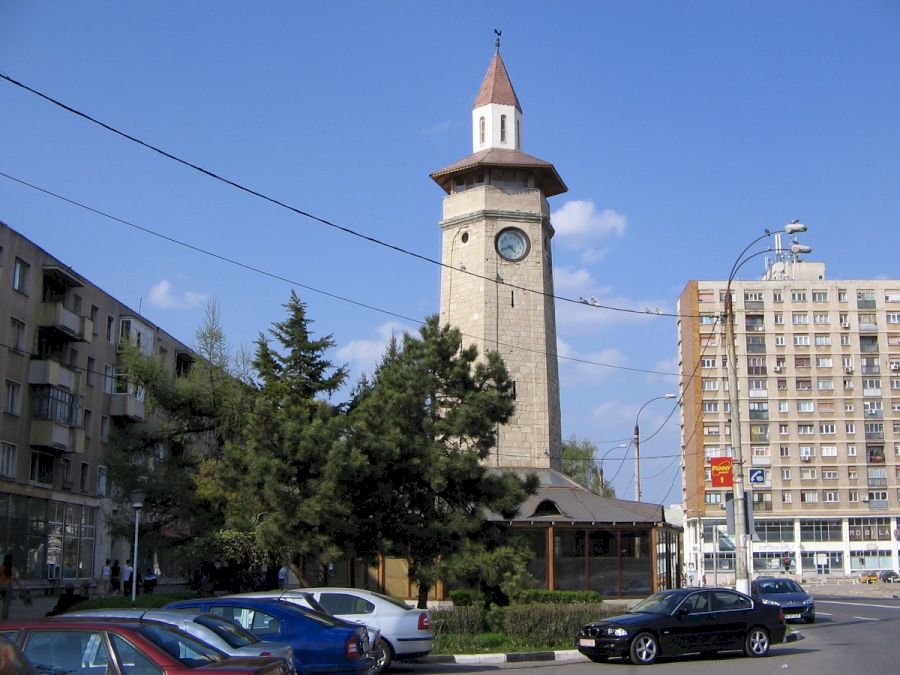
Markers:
<point>856,604</point>
<point>864,618</point>
<point>824,613</point>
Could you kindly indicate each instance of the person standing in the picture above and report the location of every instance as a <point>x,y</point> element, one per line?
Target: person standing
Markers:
<point>282,577</point>
<point>8,580</point>
<point>115,576</point>
<point>127,573</point>
<point>106,578</point>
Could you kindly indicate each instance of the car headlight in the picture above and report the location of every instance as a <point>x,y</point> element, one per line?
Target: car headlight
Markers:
<point>808,601</point>
<point>616,631</point>
<point>770,602</point>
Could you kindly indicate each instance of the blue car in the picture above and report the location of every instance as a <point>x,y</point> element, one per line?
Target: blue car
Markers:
<point>322,644</point>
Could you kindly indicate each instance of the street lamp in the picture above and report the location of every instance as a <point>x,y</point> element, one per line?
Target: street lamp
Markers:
<point>637,445</point>
<point>602,481</point>
<point>137,503</point>
<point>742,527</point>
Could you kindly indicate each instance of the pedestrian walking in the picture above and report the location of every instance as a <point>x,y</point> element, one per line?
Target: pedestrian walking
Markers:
<point>106,578</point>
<point>9,581</point>
<point>115,576</point>
<point>282,577</point>
<point>127,573</point>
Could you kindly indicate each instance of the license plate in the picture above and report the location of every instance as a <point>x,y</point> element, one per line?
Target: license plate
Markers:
<point>586,642</point>
<point>791,616</point>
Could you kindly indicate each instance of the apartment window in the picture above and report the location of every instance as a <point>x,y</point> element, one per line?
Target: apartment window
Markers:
<point>802,362</point>
<point>12,403</point>
<point>713,497</point>
<point>109,378</point>
<point>710,407</point>
<point>848,407</point>
<point>784,451</point>
<point>708,362</point>
<point>89,375</point>
<point>16,335</point>
<point>807,474</point>
<point>825,384</point>
<point>893,317</point>
<point>803,384</point>
<point>853,496</point>
<point>786,498</point>
<point>83,477</point>
<point>823,340</point>
<point>777,296</point>
<point>821,318</point>
<point>801,340</point>
<point>104,428</point>
<point>806,406</point>
<point>829,474</point>
<point>824,362</point>
<point>101,481</point>
<point>503,128</point>
<point>799,318</point>
<point>779,319</point>
<point>851,451</point>
<point>844,319</point>
<point>710,384</point>
<point>785,473</point>
<point>850,427</point>
<point>779,340</point>
<point>809,497</point>
<point>806,452</point>
<point>88,423</point>
<point>110,329</point>
<point>828,450</point>
<point>798,296</point>
<point>783,430</point>
<point>845,340</point>
<point>842,295</point>
<point>830,496</point>
<point>94,312</point>
<point>20,276</point>
<point>8,460</point>
<point>782,406</point>
<point>852,474</point>
<point>41,468</point>
<point>827,428</point>
<point>820,296</point>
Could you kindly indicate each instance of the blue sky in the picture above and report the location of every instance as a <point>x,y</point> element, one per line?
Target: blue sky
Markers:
<point>681,129</point>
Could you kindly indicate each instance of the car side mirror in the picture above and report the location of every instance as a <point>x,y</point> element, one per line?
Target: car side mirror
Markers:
<point>682,611</point>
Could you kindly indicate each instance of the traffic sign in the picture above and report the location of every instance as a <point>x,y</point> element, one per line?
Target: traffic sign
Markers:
<point>757,476</point>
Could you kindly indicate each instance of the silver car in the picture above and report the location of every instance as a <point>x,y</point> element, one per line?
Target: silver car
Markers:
<point>216,631</point>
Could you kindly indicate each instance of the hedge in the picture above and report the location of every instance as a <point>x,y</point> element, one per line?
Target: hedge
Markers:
<point>537,595</point>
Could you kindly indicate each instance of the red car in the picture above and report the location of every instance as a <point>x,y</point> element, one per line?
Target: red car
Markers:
<point>121,647</point>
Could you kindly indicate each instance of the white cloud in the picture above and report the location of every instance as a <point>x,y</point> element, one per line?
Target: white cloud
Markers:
<point>162,296</point>
<point>578,221</point>
<point>440,128</point>
<point>586,369</point>
<point>363,355</point>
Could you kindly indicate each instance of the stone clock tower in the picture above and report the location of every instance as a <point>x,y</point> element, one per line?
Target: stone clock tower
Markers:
<point>497,283</point>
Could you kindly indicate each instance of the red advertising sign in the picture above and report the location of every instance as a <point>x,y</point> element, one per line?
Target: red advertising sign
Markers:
<point>721,471</point>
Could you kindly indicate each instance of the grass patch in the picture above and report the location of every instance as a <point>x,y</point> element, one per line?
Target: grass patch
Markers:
<point>145,600</point>
<point>493,643</point>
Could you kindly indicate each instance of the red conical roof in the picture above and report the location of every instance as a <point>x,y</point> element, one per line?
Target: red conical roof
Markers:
<point>496,87</point>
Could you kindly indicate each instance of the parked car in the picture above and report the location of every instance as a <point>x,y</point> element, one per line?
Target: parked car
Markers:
<point>787,594</point>
<point>868,577</point>
<point>889,577</point>
<point>682,621</point>
<point>226,636</point>
<point>321,643</point>
<point>98,646</point>
<point>375,645</point>
<point>405,632</point>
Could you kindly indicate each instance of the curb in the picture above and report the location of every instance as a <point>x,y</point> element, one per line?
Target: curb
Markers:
<point>793,637</point>
<point>513,657</point>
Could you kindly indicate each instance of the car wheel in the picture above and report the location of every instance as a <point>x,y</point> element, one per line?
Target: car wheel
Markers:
<point>757,642</point>
<point>383,655</point>
<point>644,649</point>
<point>598,658</point>
<point>810,619</point>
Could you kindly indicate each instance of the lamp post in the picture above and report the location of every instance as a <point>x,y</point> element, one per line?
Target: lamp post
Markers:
<point>137,503</point>
<point>742,548</point>
<point>602,481</point>
<point>637,445</point>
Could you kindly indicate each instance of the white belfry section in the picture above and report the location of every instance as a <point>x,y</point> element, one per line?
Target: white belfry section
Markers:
<point>496,115</point>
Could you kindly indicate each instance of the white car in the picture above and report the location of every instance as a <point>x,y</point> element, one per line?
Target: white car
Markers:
<point>405,632</point>
<point>216,631</point>
<point>299,596</point>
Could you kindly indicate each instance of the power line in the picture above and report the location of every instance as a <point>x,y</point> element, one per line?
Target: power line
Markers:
<point>306,214</point>
<point>334,296</point>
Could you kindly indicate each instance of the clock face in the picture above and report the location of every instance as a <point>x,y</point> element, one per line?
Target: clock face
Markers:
<point>512,244</point>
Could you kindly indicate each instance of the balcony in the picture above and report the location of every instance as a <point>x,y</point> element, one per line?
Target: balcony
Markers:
<point>865,304</point>
<point>754,304</point>
<point>878,503</point>
<point>875,436</point>
<point>870,370</point>
<point>56,436</point>
<point>868,327</point>
<point>877,482</point>
<point>68,325</point>
<point>874,414</point>
<point>51,373</point>
<point>126,405</point>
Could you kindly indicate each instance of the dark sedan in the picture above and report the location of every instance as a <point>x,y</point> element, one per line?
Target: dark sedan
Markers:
<point>682,621</point>
<point>787,594</point>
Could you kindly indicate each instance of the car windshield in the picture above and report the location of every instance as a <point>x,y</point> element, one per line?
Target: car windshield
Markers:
<point>187,650</point>
<point>234,634</point>
<point>322,617</point>
<point>779,586</point>
<point>393,601</point>
<point>659,603</point>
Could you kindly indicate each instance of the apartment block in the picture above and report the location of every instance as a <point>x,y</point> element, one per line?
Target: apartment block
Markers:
<point>818,365</point>
<point>61,395</point>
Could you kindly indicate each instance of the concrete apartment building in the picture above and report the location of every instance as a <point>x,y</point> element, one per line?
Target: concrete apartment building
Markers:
<point>819,388</point>
<point>60,398</point>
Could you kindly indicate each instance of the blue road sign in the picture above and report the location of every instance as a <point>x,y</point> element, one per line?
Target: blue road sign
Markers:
<point>757,476</point>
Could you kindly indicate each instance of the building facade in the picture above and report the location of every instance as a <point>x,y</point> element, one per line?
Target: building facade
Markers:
<point>819,389</point>
<point>61,397</point>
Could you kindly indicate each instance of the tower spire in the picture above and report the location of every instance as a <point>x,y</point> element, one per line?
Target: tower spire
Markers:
<point>498,33</point>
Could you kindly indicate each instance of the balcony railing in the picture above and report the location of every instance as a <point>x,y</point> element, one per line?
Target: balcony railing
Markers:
<point>865,304</point>
<point>51,373</point>
<point>69,324</point>
<point>870,370</point>
<point>875,436</point>
<point>126,405</point>
<point>55,436</point>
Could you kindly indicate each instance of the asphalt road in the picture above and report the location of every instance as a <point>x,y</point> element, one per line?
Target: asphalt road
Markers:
<point>851,635</point>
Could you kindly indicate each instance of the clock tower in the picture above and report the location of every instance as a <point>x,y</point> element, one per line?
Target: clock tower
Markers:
<point>497,279</point>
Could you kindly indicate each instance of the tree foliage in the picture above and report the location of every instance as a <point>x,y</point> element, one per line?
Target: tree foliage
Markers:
<point>579,463</point>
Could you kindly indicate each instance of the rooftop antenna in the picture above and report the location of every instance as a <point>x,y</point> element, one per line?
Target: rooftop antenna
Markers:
<point>498,33</point>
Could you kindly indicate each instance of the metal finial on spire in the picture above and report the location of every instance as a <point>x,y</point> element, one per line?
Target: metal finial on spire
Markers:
<point>498,33</point>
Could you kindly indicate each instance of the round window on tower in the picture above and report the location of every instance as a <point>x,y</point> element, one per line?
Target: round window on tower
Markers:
<point>465,237</point>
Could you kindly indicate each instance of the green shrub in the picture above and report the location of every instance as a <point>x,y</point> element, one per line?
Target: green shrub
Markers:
<point>495,619</point>
<point>549,623</point>
<point>467,597</point>
<point>538,595</point>
<point>466,620</point>
<point>146,600</point>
